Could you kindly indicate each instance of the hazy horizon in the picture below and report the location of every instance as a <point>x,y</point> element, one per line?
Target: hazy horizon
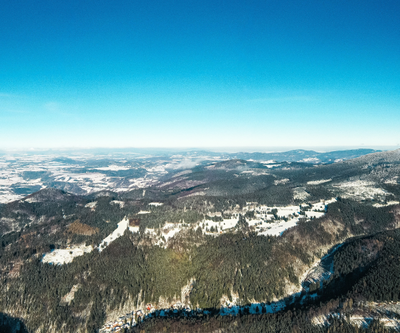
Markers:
<point>107,150</point>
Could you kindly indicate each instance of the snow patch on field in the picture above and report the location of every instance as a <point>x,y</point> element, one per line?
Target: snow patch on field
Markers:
<point>133,229</point>
<point>314,214</point>
<point>281,181</point>
<point>9,197</point>
<point>317,182</point>
<point>113,168</point>
<point>310,160</point>
<point>224,225</point>
<point>91,205</point>
<point>156,204</point>
<point>144,212</point>
<point>65,256</point>
<point>117,202</point>
<point>300,193</point>
<point>270,166</point>
<point>360,190</point>
<point>170,230</point>
<point>68,298</point>
<point>393,180</point>
<point>122,226</point>
<point>389,203</point>
<point>277,228</point>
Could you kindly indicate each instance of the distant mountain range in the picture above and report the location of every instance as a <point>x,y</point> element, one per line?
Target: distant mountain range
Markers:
<point>308,156</point>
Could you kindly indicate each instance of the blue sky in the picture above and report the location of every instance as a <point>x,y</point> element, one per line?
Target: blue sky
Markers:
<point>199,73</point>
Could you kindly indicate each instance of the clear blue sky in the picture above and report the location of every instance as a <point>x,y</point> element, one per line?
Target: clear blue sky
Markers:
<point>199,73</point>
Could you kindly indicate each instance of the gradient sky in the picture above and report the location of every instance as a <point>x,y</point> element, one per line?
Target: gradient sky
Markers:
<point>85,73</point>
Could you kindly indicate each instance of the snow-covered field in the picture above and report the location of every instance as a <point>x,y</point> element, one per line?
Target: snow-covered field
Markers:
<point>7,196</point>
<point>14,169</point>
<point>122,226</point>
<point>300,193</point>
<point>65,256</point>
<point>278,228</point>
<point>317,182</point>
<point>360,190</point>
<point>156,204</point>
<point>281,181</point>
<point>170,230</point>
<point>121,204</point>
<point>113,168</point>
<point>389,203</point>
<point>91,205</point>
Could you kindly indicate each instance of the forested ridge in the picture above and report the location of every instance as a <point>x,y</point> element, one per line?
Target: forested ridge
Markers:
<point>365,269</point>
<point>253,267</point>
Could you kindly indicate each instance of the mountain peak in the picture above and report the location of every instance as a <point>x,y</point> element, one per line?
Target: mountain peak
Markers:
<point>48,194</point>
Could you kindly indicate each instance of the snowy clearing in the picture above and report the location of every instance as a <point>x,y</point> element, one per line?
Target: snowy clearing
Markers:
<point>118,202</point>
<point>91,205</point>
<point>317,182</point>
<point>360,190</point>
<point>122,226</point>
<point>300,193</point>
<point>389,203</point>
<point>113,168</point>
<point>281,181</point>
<point>65,256</point>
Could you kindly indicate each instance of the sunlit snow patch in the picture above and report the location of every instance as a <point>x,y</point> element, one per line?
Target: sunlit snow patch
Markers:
<point>122,226</point>
<point>389,203</point>
<point>360,190</point>
<point>91,205</point>
<point>317,182</point>
<point>143,212</point>
<point>300,193</point>
<point>65,256</point>
<point>281,181</point>
<point>156,204</point>
<point>113,168</point>
<point>118,202</point>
